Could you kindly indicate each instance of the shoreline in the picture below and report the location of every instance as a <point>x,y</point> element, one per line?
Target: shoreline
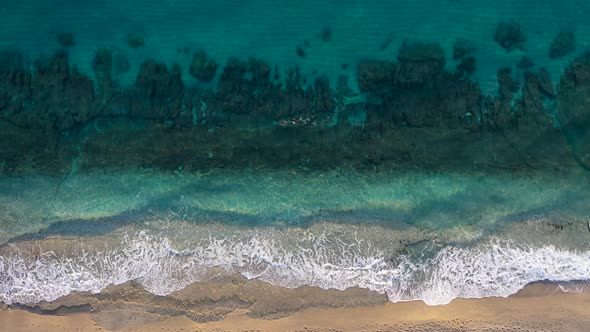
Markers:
<point>538,307</point>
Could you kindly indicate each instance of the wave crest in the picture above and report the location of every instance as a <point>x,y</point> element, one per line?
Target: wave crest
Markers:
<point>494,268</point>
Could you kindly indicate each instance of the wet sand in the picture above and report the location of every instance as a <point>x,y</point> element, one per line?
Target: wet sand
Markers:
<point>539,307</point>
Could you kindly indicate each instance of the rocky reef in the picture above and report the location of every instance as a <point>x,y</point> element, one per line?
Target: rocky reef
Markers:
<point>412,111</point>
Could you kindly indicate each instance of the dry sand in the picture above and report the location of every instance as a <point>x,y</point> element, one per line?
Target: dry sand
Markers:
<point>539,307</point>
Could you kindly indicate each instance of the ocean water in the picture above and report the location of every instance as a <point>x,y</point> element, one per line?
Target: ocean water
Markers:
<point>413,233</point>
<point>271,30</point>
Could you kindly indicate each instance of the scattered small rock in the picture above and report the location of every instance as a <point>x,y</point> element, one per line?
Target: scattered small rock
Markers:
<point>545,84</point>
<point>65,39</point>
<point>326,34</point>
<point>386,43</point>
<point>525,62</point>
<point>563,44</point>
<point>120,64</point>
<point>467,66</point>
<point>203,68</point>
<point>462,48</point>
<point>300,51</point>
<point>509,35</point>
<point>136,39</point>
<point>420,52</point>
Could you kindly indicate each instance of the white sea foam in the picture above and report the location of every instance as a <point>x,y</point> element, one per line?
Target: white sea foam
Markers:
<point>496,268</point>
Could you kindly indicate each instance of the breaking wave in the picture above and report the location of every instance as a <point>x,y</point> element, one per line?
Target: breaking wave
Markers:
<point>492,268</point>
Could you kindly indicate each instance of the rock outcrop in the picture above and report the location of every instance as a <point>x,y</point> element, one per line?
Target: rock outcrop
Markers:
<point>509,35</point>
<point>563,44</point>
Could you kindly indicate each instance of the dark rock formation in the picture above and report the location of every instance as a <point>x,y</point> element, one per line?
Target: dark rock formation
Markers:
<point>375,75</point>
<point>136,39</point>
<point>508,86</point>
<point>466,66</point>
<point>417,91</point>
<point>418,64</point>
<point>574,112</point>
<point>11,62</point>
<point>53,96</point>
<point>246,94</point>
<point>462,48</point>
<point>409,112</point>
<point>385,44</point>
<point>158,92</point>
<point>509,35</point>
<point>531,95</point>
<point>102,64</point>
<point>545,83</point>
<point>525,63</point>
<point>245,88</point>
<point>498,114</point>
<point>300,51</point>
<point>326,34</point>
<point>421,52</point>
<point>563,44</point>
<point>120,64</point>
<point>65,39</point>
<point>323,94</point>
<point>202,68</point>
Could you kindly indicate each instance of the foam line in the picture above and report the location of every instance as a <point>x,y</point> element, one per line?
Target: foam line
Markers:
<point>496,268</point>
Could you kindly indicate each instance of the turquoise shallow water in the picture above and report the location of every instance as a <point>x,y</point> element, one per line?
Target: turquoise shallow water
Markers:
<point>431,237</point>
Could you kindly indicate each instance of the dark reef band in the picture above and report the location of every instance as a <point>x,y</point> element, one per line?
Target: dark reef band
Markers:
<point>412,112</point>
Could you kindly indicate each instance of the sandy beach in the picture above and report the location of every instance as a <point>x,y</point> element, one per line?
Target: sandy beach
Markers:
<point>538,307</point>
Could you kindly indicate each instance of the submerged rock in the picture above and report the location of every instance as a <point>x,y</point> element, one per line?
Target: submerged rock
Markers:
<point>136,38</point>
<point>574,108</point>
<point>532,100</point>
<point>11,61</point>
<point>525,62</point>
<point>158,92</point>
<point>326,34</point>
<point>508,86</point>
<point>323,93</point>
<point>545,83</point>
<point>563,44</point>
<point>375,75</point>
<point>509,35</point>
<point>65,39</point>
<point>536,91</point>
<point>462,48</point>
<point>418,63</point>
<point>421,52</point>
<point>102,65</point>
<point>467,66</point>
<point>402,109</point>
<point>300,51</point>
<point>202,68</point>
<point>52,96</point>
<point>120,64</point>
